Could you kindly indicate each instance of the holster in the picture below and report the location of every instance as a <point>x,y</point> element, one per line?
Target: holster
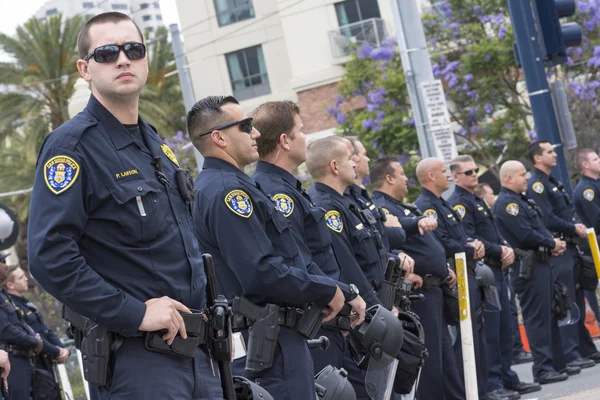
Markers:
<point>96,349</point>
<point>451,309</point>
<point>527,259</point>
<point>197,332</point>
<point>263,333</point>
<point>585,273</point>
<point>430,281</point>
<point>310,322</point>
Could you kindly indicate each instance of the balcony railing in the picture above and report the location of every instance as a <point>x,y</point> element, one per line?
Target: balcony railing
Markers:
<point>370,31</point>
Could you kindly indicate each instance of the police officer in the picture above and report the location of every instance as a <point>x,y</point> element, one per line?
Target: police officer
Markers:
<point>433,177</point>
<point>519,355</point>
<point>558,215</point>
<point>19,340</point>
<point>587,205</point>
<point>54,350</point>
<point>392,234</point>
<point>282,149</point>
<point>110,229</point>
<point>478,222</point>
<point>520,223</point>
<point>390,188</point>
<point>252,244</point>
<point>330,162</point>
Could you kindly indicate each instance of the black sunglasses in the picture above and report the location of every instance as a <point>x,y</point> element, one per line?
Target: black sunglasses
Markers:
<point>469,172</point>
<point>110,52</point>
<point>245,126</point>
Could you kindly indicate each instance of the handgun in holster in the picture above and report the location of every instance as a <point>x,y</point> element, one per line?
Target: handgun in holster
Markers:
<point>196,328</point>
<point>527,259</point>
<point>96,343</point>
<point>263,333</point>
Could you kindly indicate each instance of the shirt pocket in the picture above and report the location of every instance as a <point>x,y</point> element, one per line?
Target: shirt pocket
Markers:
<point>141,210</point>
<point>280,233</point>
<point>365,247</point>
<point>317,233</point>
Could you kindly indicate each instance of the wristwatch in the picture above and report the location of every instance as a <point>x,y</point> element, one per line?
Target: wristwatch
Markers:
<point>353,291</point>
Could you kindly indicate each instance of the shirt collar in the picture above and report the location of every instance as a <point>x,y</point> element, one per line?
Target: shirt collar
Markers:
<point>276,170</point>
<point>329,190</point>
<point>539,173</point>
<point>509,191</point>
<point>379,193</point>
<point>217,163</point>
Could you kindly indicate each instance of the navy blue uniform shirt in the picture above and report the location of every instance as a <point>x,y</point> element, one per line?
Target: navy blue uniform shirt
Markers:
<point>550,195</point>
<point>392,237</point>
<point>104,234</point>
<point>353,241</point>
<point>426,249</point>
<point>587,202</point>
<point>307,221</point>
<point>478,221</point>
<point>32,317</point>
<point>253,248</point>
<point>520,221</point>
<point>450,231</point>
<point>13,331</point>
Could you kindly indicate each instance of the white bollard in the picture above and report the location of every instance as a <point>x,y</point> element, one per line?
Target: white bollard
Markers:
<point>64,381</point>
<point>466,329</point>
<point>85,384</point>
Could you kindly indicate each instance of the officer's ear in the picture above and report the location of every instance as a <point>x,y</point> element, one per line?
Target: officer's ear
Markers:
<point>389,178</point>
<point>333,166</point>
<point>84,70</point>
<point>218,139</point>
<point>284,141</point>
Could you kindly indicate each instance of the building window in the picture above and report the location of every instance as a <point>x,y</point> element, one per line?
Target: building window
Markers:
<point>351,11</point>
<point>156,5</point>
<point>88,4</point>
<point>248,73</point>
<point>119,6</point>
<point>159,17</point>
<point>231,11</point>
<point>149,29</point>
<point>144,6</point>
<point>147,17</point>
<point>51,11</point>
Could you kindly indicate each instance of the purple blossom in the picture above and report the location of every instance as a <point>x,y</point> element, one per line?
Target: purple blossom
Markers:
<point>341,118</point>
<point>454,27</point>
<point>476,9</point>
<point>485,19</point>
<point>502,32</point>
<point>331,111</point>
<point>338,101</point>
<point>403,158</point>
<point>372,107</point>
<point>468,77</point>
<point>364,51</point>
<point>382,54</point>
<point>411,121</point>
<point>532,135</point>
<point>489,108</point>
<point>475,130</point>
<point>389,41</point>
<point>498,19</point>
<point>380,116</point>
<point>368,124</point>
<point>507,126</point>
<point>453,81</point>
<point>437,72</point>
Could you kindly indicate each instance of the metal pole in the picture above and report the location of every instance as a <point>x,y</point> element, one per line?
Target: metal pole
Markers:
<point>532,60</point>
<point>64,381</point>
<point>184,80</point>
<point>416,64</point>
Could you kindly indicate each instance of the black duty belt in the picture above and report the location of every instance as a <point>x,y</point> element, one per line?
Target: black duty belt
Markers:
<point>16,351</point>
<point>430,281</point>
<point>288,317</point>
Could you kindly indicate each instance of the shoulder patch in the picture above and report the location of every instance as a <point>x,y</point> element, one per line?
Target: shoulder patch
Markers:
<point>460,209</point>
<point>60,173</point>
<point>239,202</point>
<point>334,221</point>
<point>512,209</point>
<point>588,194</point>
<point>431,213</point>
<point>538,187</point>
<point>285,204</point>
<point>385,211</point>
<point>169,153</point>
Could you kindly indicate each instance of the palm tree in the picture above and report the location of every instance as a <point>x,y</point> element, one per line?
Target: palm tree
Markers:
<point>161,101</point>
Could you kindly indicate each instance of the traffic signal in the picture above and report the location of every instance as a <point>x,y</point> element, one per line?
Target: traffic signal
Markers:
<point>554,37</point>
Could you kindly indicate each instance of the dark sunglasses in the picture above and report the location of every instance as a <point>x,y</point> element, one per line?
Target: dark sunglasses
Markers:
<point>245,126</point>
<point>110,52</point>
<point>469,172</point>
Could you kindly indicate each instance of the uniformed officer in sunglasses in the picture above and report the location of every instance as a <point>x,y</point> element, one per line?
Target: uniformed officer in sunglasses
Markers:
<point>110,224</point>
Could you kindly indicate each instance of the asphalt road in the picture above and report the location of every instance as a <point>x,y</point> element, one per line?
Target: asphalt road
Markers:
<point>585,386</point>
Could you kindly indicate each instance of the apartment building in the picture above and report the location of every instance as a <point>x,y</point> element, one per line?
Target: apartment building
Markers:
<point>263,50</point>
<point>145,13</point>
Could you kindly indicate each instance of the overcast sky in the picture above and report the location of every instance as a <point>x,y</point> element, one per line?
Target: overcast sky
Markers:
<point>15,13</point>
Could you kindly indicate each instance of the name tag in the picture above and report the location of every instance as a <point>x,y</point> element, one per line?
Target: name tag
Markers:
<point>372,207</point>
<point>406,212</point>
<point>359,226</point>
<point>554,189</point>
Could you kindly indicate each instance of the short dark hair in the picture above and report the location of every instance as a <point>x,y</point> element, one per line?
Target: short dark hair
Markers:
<point>535,149</point>
<point>582,156</point>
<point>83,39</point>
<point>272,119</point>
<point>457,161</point>
<point>353,141</point>
<point>321,152</point>
<point>206,114</point>
<point>480,188</point>
<point>380,169</point>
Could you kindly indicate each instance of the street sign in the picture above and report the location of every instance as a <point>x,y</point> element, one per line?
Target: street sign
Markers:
<point>438,116</point>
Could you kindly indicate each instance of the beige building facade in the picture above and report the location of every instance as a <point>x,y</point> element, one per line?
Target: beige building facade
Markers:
<point>264,50</point>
